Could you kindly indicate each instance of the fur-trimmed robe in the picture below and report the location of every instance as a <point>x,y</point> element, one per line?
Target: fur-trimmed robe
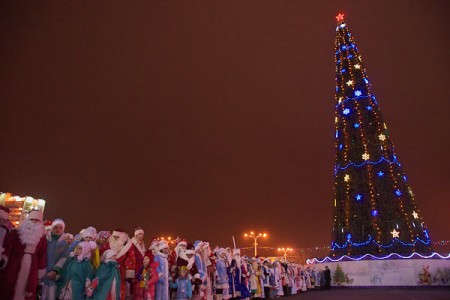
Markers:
<point>130,259</point>
<point>25,264</point>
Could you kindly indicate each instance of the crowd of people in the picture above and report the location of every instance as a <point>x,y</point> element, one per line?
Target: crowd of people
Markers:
<point>39,261</point>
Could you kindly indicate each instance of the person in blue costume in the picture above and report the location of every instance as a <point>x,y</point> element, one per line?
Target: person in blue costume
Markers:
<point>161,255</point>
<point>221,282</point>
<point>182,284</point>
<point>56,248</point>
<point>106,284</point>
<point>77,272</point>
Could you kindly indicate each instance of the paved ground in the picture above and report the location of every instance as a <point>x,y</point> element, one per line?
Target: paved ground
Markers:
<point>375,294</point>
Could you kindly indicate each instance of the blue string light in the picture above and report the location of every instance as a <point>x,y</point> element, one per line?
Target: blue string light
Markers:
<point>398,192</point>
<point>380,174</point>
<point>358,197</point>
<point>339,168</point>
<point>356,125</point>
<point>358,98</point>
<point>335,245</point>
<point>369,107</point>
<point>434,255</point>
<point>374,212</point>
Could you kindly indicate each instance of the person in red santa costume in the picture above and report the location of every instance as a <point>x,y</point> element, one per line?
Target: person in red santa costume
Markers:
<point>132,256</point>
<point>24,259</point>
<point>117,241</point>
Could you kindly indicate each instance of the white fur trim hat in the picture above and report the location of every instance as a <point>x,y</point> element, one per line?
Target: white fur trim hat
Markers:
<point>89,232</point>
<point>87,248</point>
<point>58,222</point>
<point>108,254</point>
<point>161,245</point>
<point>190,251</point>
<point>138,230</point>
<point>35,215</point>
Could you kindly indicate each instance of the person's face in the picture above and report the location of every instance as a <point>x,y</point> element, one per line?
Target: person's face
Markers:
<point>35,221</point>
<point>183,273</point>
<point>69,240</point>
<point>165,250</point>
<point>146,261</point>
<point>140,236</point>
<point>189,255</point>
<point>78,250</point>
<point>57,229</point>
<point>88,238</point>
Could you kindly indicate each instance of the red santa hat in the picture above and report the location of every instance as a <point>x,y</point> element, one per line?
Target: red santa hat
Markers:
<point>48,225</point>
<point>35,215</point>
<point>58,222</point>
<point>4,212</point>
<point>138,230</point>
<point>182,242</point>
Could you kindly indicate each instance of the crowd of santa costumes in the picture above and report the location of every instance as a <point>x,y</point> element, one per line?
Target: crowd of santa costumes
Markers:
<point>53,264</point>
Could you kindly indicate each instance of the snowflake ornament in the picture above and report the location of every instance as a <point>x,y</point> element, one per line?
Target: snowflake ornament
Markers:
<point>347,178</point>
<point>415,215</point>
<point>366,156</point>
<point>382,137</point>
<point>357,66</point>
<point>349,83</point>
<point>358,93</point>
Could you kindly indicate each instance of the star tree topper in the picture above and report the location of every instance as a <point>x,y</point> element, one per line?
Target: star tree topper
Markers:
<point>340,17</point>
<point>395,233</point>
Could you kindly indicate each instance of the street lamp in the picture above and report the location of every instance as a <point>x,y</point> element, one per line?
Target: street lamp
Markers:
<point>255,238</point>
<point>285,251</point>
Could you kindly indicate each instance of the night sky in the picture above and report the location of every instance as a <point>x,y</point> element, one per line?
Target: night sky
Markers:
<point>206,119</point>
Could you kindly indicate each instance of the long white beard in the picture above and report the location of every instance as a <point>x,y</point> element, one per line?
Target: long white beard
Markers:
<point>31,233</point>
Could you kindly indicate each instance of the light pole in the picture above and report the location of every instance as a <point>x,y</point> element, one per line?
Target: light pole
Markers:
<point>285,251</point>
<point>255,238</point>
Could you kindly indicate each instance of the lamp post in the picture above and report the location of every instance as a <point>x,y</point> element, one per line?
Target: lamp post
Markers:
<point>255,239</point>
<point>285,251</point>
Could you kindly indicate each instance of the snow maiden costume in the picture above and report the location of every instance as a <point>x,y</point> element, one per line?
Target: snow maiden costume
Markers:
<point>77,272</point>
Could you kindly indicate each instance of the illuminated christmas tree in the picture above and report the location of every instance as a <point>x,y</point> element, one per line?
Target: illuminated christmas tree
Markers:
<point>374,207</point>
